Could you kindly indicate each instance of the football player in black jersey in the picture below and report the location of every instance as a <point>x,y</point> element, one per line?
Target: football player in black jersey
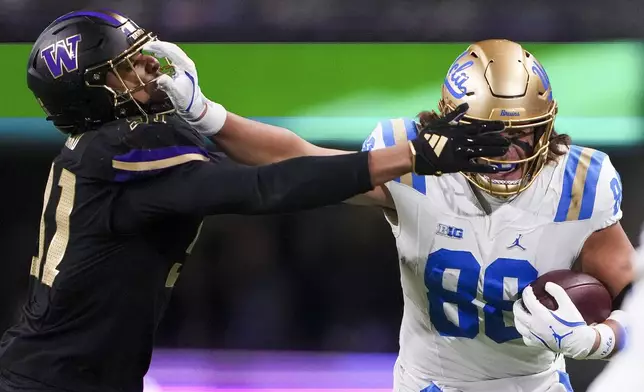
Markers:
<point>127,193</point>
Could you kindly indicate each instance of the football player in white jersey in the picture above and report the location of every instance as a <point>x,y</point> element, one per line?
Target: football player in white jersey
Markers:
<point>470,243</point>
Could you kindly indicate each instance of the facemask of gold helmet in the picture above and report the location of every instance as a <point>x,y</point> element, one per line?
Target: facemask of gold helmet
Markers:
<point>502,81</point>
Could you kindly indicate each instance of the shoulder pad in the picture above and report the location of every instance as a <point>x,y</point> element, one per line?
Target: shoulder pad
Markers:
<point>591,189</point>
<point>392,132</point>
<point>126,150</point>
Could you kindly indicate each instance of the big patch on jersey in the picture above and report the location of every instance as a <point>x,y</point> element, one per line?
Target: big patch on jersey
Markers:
<point>579,189</point>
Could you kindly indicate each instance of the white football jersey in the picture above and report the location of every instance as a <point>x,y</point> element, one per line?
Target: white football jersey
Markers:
<point>462,268</point>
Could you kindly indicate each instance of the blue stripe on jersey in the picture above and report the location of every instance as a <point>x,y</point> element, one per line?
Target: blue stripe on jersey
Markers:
<point>581,176</point>
<point>569,177</point>
<point>388,136</point>
<point>417,181</point>
<point>564,379</point>
<point>590,186</point>
<point>387,133</point>
<point>410,127</point>
<point>431,388</point>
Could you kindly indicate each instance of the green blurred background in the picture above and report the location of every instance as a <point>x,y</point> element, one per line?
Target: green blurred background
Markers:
<point>338,92</point>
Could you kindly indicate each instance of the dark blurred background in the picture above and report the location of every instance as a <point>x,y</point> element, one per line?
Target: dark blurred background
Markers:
<point>323,280</point>
<point>356,20</point>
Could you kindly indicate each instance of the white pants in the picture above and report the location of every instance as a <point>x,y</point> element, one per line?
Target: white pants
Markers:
<point>549,380</point>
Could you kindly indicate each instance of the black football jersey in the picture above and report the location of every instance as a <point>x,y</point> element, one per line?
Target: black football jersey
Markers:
<point>122,208</point>
<point>98,290</point>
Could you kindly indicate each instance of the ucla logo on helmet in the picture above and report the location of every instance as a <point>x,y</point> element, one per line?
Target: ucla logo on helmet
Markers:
<point>62,56</point>
<point>456,77</point>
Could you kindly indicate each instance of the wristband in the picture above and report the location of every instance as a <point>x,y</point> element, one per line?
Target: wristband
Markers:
<point>606,342</point>
<point>210,120</point>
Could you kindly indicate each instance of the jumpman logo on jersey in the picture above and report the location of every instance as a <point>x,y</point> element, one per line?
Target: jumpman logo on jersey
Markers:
<point>558,337</point>
<point>516,243</point>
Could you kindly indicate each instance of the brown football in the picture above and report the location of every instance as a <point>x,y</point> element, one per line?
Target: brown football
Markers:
<point>587,293</point>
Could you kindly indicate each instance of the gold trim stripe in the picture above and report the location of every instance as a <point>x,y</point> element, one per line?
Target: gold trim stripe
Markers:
<point>173,275</point>
<point>438,148</point>
<point>433,140</point>
<point>579,183</point>
<point>159,164</point>
<point>35,261</point>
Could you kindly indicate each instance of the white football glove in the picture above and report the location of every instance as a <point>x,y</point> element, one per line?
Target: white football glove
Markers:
<point>204,116</point>
<point>562,331</point>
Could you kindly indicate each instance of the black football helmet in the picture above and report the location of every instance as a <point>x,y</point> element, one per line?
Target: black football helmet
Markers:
<point>69,63</point>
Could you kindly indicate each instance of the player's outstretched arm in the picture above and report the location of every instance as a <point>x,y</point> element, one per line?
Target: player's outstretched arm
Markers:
<point>309,182</point>
<point>443,147</point>
<point>255,143</point>
<point>204,188</point>
<point>245,141</point>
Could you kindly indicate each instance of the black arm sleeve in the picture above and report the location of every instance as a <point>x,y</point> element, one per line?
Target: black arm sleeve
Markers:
<point>203,188</point>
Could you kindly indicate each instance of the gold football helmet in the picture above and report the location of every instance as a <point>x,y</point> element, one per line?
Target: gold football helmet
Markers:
<point>502,81</point>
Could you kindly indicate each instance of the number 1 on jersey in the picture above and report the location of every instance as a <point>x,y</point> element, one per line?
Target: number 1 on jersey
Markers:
<point>58,244</point>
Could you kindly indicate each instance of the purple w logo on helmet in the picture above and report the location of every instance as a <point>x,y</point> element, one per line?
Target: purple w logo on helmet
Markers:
<point>62,56</point>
